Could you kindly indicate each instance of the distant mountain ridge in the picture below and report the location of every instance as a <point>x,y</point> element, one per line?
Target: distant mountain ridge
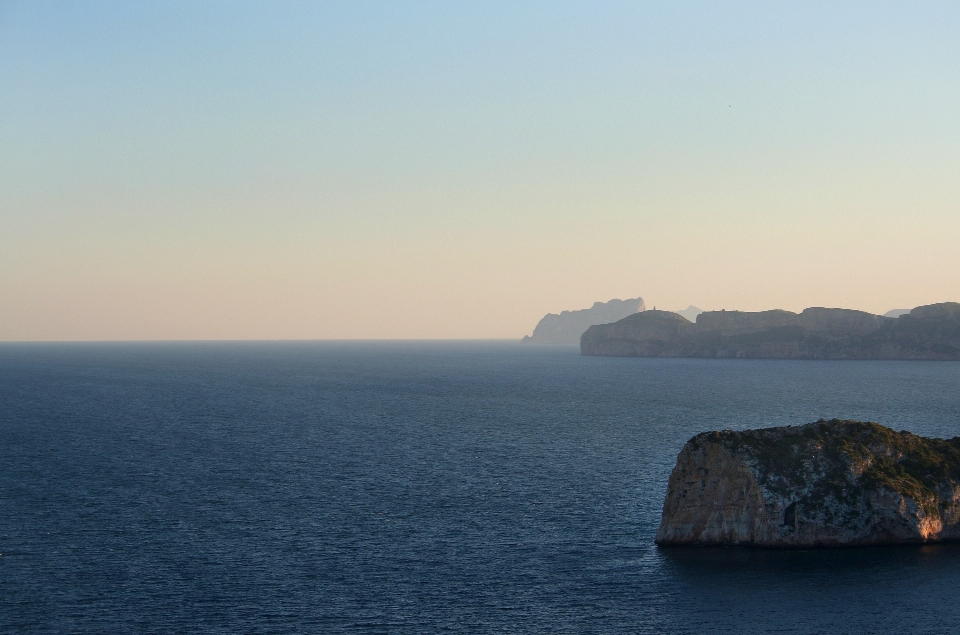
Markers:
<point>930,332</point>
<point>568,326</point>
<point>691,313</point>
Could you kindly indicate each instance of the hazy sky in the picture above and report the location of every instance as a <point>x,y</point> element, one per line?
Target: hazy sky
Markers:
<point>379,170</point>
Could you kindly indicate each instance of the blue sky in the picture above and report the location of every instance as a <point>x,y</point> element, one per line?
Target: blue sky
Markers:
<point>310,170</point>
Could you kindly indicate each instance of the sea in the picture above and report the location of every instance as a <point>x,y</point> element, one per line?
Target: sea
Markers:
<point>422,487</point>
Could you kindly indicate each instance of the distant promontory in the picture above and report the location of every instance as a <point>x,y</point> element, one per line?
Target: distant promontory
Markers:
<point>567,327</point>
<point>930,332</point>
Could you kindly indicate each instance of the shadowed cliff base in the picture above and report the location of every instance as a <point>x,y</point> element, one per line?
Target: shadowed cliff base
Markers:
<point>826,484</point>
<point>930,332</point>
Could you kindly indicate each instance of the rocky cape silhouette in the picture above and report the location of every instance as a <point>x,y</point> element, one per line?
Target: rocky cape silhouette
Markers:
<point>567,327</point>
<point>930,332</point>
<point>826,484</point>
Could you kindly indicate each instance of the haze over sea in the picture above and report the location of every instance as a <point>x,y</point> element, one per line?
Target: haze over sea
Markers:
<point>418,487</point>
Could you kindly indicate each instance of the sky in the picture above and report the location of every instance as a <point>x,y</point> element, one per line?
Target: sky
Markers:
<point>286,170</point>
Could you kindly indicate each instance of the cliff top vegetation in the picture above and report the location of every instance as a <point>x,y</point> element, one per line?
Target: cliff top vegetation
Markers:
<point>839,459</point>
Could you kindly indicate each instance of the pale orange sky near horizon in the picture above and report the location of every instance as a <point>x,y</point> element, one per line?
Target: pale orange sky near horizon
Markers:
<point>422,171</point>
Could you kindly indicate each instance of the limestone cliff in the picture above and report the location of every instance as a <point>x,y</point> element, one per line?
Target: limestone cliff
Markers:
<point>568,326</point>
<point>829,483</point>
<point>929,332</point>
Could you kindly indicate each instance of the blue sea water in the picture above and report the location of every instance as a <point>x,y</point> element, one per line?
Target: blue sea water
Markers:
<point>421,487</point>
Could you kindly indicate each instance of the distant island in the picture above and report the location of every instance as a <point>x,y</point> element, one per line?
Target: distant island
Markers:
<point>691,313</point>
<point>828,484</point>
<point>567,327</point>
<point>930,332</point>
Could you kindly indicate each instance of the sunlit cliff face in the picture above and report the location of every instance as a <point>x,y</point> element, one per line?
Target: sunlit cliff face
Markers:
<point>830,483</point>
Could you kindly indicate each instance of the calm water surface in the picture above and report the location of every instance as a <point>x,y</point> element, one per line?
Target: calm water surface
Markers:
<point>421,488</point>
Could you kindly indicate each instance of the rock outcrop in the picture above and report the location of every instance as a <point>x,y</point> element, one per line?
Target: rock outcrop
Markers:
<point>830,484</point>
<point>567,327</point>
<point>929,332</point>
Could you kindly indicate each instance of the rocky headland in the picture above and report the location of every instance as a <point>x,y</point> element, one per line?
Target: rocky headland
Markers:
<point>930,332</point>
<point>567,327</point>
<point>825,484</point>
